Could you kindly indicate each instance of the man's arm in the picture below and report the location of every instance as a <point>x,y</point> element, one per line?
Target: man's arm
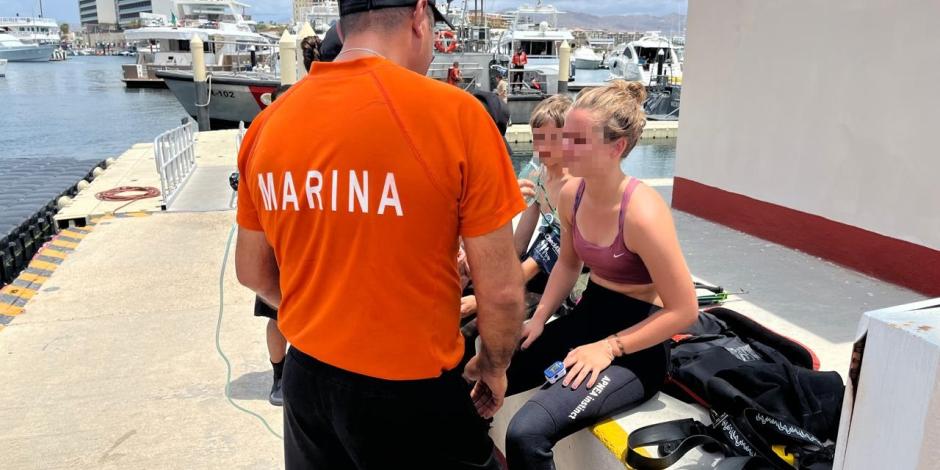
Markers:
<point>497,280</point>
<point>497,283</point>
<point>256,266</point>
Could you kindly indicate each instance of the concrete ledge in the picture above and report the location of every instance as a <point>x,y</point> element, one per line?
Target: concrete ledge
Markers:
<point>604,445</point>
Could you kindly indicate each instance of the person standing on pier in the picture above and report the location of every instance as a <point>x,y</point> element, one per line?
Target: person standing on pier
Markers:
<point>349,223</point>
<point>519,61</point>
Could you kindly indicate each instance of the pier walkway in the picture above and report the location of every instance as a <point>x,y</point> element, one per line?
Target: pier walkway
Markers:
<point>112,361</point>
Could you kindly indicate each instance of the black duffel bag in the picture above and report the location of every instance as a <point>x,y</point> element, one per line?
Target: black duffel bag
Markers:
<point>765,398</point>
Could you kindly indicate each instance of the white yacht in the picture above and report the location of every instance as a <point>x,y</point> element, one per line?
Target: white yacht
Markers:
<point>640,59</point>
<point>585,58</point>
<point>14,50</point>
<point>229,41</point>
<point>535,31</point>
<point>31,30</point>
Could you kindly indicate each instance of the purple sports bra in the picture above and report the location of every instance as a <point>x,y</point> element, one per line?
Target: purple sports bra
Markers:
<point>614,263</point>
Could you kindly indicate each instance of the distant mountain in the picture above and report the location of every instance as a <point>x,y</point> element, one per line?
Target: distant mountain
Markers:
<point>669,25</point>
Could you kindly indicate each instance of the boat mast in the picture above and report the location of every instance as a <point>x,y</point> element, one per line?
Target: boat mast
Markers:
<point>40,8</point>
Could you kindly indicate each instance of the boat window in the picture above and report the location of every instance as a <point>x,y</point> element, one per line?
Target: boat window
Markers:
<point>647,55</point>
<point>184,46</point>
<point>539,47</point>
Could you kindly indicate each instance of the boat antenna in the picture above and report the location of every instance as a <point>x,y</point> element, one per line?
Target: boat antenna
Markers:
<point>40,8</point>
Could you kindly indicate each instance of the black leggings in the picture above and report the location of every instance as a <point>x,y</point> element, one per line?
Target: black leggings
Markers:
<point>556,411</point>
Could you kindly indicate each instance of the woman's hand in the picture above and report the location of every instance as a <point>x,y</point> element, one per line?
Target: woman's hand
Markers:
<point>590,359</point>
<point>463,269</point>
<point>468,306</point>
<point>531,330</point>
<point>527,188</point>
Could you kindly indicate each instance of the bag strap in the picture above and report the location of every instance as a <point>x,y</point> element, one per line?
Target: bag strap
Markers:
<point>688,433</point>
<point>675,439</point>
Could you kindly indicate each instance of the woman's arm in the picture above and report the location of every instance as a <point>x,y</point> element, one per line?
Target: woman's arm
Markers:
<point>527,223</point>
<point>565,273</point>
<point>652,235</point>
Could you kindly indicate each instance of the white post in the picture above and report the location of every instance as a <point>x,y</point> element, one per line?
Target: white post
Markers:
<point>305,31</point>
<point>199,79</point>
<point>564,66</point>
<point>288,51</point>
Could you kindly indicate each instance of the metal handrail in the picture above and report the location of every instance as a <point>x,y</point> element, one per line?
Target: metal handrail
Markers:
<point>175,155</point>
<point>240,137</point>
<point>28,20</point>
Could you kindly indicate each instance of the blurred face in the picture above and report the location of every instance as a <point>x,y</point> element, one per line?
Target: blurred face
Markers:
<point>584,150</point>
<point>546,141</point>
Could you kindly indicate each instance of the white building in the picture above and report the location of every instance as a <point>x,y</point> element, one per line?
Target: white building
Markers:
<point>300,10</point>
<point>123,12</point>
<point>97,12</point>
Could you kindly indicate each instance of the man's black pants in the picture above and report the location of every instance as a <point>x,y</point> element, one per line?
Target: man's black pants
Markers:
<point>337,420</point>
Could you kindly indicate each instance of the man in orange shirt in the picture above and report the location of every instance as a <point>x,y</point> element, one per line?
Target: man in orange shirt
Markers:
<point>350,211</point>
<point>519,61</point>
<point>454,76</point>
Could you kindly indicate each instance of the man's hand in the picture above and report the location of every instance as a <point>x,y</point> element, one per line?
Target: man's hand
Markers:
<point>489,391</point>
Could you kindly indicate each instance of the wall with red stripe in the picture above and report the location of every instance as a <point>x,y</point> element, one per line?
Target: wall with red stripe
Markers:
<point>813,124</point>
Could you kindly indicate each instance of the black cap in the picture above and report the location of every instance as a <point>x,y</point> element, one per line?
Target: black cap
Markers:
<point>347,7</point>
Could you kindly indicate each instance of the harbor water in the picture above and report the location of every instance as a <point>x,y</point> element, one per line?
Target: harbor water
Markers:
<point>649,159</point>
<point>78,109</point>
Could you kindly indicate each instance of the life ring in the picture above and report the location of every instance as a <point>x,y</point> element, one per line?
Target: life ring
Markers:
<point>446,42</point>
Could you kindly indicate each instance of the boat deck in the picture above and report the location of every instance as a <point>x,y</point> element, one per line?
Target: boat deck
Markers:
<point>112,362</point>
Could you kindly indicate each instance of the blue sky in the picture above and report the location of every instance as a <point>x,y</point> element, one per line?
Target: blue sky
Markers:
<point>67,10</point>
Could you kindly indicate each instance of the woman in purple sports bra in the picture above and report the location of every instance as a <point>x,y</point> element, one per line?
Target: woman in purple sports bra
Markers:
<point>640,294</point>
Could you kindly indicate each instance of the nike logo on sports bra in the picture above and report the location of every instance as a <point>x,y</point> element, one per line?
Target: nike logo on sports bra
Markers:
<point>620,254</point>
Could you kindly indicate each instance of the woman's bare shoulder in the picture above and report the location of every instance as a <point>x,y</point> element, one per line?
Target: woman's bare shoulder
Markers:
<point>647,208</point>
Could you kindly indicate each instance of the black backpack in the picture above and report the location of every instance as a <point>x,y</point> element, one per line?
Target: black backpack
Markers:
<point>769,406</point>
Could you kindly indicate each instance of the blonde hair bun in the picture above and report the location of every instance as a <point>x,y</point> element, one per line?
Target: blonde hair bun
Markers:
<point>635,89</point>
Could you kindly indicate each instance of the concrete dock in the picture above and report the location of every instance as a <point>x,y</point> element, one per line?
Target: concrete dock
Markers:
<point>522,133</point>
<point>111,361</point>
<point>137,167</point>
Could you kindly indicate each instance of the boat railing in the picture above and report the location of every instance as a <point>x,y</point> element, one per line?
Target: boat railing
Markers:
<point>175,155</point>
<point>232,61</point>
<point>149,71</point>
<point>472,74</point>
<point>24,20</point>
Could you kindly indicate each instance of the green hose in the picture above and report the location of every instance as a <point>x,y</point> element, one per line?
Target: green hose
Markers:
<point>218,346</point>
